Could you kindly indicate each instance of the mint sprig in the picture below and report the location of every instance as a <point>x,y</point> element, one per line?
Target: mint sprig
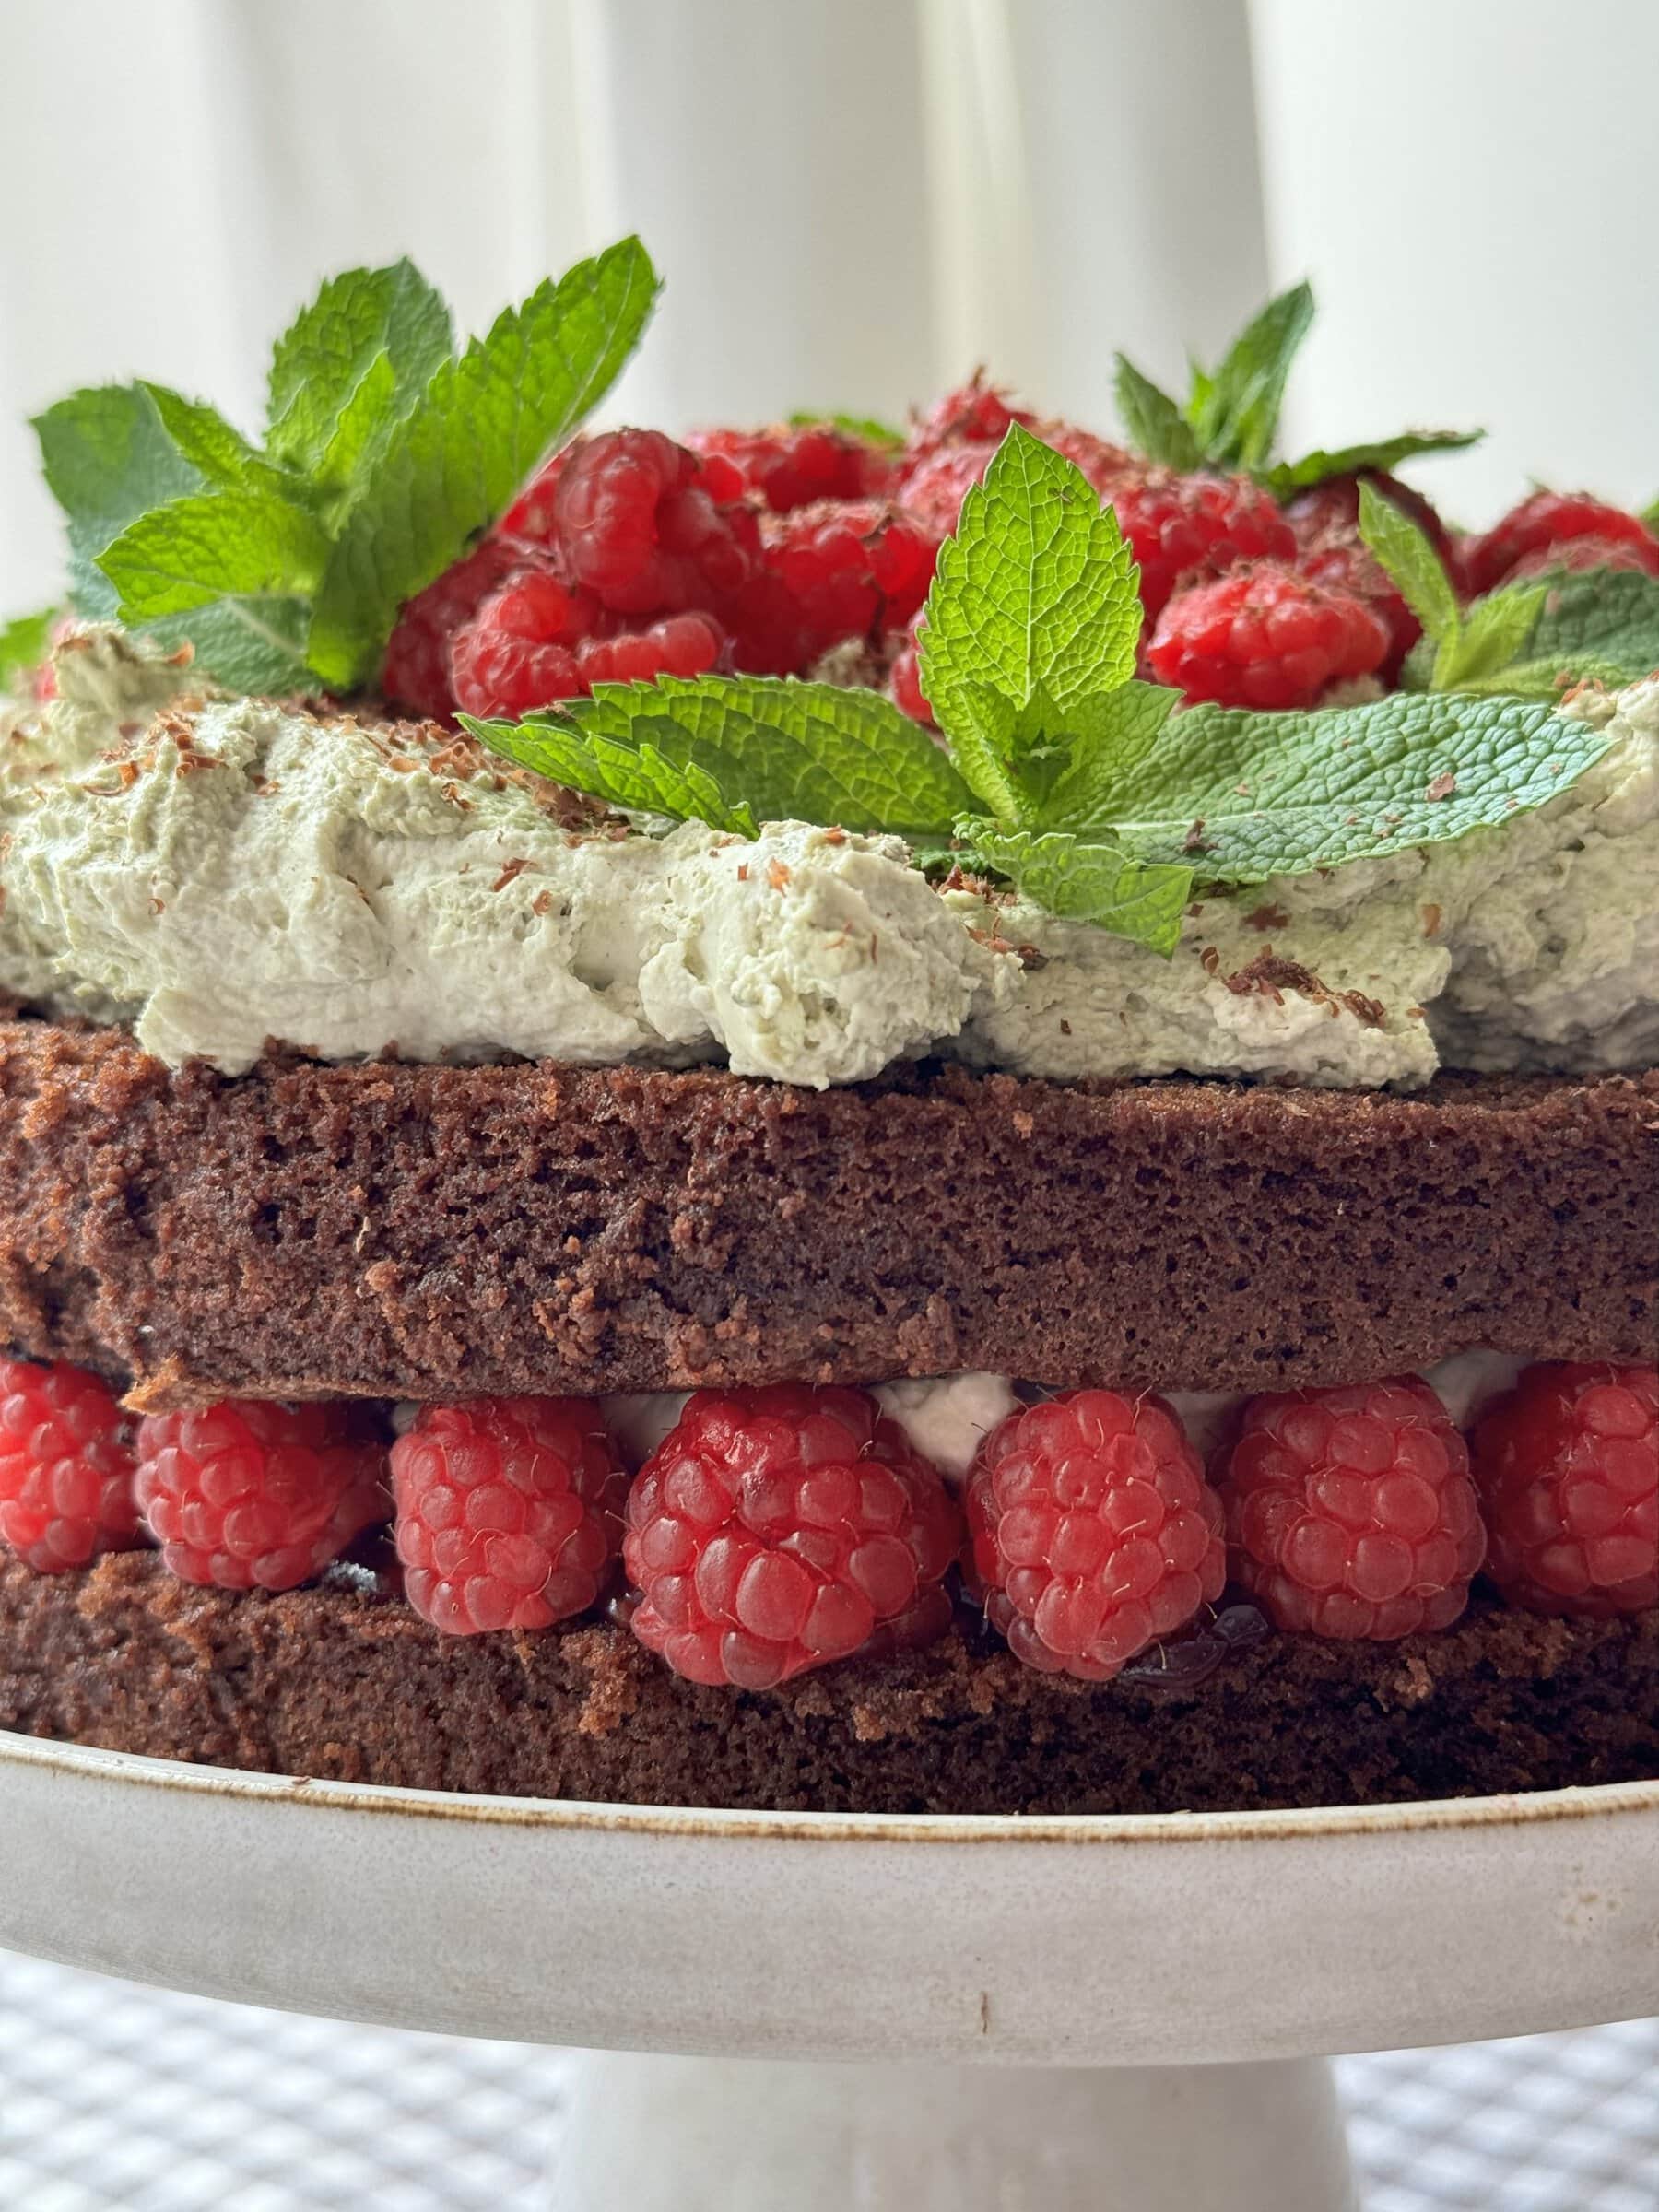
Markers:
<point>1229,418</point>
<point>384,457</point>
<point>480,428</point>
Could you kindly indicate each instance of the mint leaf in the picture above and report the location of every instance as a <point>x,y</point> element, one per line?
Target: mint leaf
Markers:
<point>478,429</point>
<point>1108,734</point>
<point>1156,425</point>
<point>214,447</point>
<point>329,361</point>
<point>1348,460</point>
<point>1411,561</point>
<point>1606,617</point>
<point>1235,412</point>
<point>1650,515</point>
<point>1036,593</point>
<point>108,459</point>
<point>658,770</point>
<point>1085,880</point>
<point>1494,633</point>
<point>793,750</point>
<point>24,642</point>
<point>213,545</point>
<point>1245,797</point>
<point>864,426</point>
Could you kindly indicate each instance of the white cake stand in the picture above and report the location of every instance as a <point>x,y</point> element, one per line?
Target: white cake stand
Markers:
<point>1127,2015</point>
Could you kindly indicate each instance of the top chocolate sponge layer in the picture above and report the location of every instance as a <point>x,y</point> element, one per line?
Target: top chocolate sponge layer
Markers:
<point>402,1230</point>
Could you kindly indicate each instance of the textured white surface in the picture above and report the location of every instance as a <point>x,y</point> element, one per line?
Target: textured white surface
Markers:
<point>119,2099</point>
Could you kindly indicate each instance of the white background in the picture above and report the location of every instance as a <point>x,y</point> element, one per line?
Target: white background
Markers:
<point>854,200</point>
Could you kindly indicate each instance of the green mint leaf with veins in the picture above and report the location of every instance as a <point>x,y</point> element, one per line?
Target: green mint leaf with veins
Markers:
<point>108,459</point>
<point>659,770</point>
<point>1108,734</point>
<point>216,448</point>
<point>214,546</point>
<point>24,644</point>
<point>1599,620</point>
<point>1384,454</point>
<point>774,748</point>
<point>351,367</point>
<point>1245,797</point>
<point>1034,607</point>
<point>475,434</point>
<point>1235,411</point>
<point>1156,425</point>
<point>1086,879</point>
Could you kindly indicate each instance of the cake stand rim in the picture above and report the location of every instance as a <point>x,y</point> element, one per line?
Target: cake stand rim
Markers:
<point>1396,1818</point>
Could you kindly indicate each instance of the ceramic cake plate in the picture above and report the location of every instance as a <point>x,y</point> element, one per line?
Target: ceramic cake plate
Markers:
<point>948,2015</point>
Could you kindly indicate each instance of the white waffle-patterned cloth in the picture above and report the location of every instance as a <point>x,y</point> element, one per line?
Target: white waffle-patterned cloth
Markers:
<point>119,2099</point>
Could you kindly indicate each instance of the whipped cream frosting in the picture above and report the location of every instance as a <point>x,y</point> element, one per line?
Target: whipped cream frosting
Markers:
<point>220,873</point>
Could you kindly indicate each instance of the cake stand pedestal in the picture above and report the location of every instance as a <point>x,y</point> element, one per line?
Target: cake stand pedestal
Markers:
<point>699,2135</point>
<point>1023,2013</point>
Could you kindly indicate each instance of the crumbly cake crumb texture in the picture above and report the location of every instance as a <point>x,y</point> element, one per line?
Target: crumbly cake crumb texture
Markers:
<point>428,1231</point>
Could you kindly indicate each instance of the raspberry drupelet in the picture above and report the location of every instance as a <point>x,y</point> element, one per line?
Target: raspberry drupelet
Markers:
<point>1552,519</point>
<point>508,1511</point>
<point>1092,1531</point>
<point>781,1529</point>
<point>1333,504</point>
<point>1568,1467</point>
<point>65,1467</point>
<point>978,411</point>
<point>1350,1511</point>
<point>251,1495</point>
<point>1573,556</point>
<point>1264,636</point>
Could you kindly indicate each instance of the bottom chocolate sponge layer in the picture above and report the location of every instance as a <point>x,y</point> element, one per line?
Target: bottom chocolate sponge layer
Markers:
<point>345,1681</point>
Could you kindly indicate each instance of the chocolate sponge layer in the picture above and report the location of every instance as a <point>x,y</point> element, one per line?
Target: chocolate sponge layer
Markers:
<point>344,1680</point>
<point>424,1231</point>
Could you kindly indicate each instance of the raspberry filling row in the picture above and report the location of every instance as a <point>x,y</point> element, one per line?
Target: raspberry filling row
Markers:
<point>777,1530</point>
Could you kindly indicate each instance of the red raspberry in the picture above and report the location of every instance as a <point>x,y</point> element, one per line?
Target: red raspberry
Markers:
<point>517,651</point>
<point>634,521</point>
<point>1104,464</point>
<point>1552,518</point>
<point>781,1529</point>
<point>976,410</point>
<point>1350,1512</point>
<point>1333,504</point>
<point>249,1495</point>
<point>1180,527</point>
<point>65,1467</point>
<point>794,466</point>
<point>1341,561</point>
<point>843,568</point>
<point>1264,637</point>
<point>530,517</point>
<point>416,674</point>
<point>1093,1531</point>
<point>1576,553</point>
<point>508,1511</point>
<point>1568,1464</point>
<point>933,491</point>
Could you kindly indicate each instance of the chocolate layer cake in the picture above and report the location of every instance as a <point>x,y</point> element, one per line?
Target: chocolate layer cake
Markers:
<point>942,1119</point>
<point>400,1231</point>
